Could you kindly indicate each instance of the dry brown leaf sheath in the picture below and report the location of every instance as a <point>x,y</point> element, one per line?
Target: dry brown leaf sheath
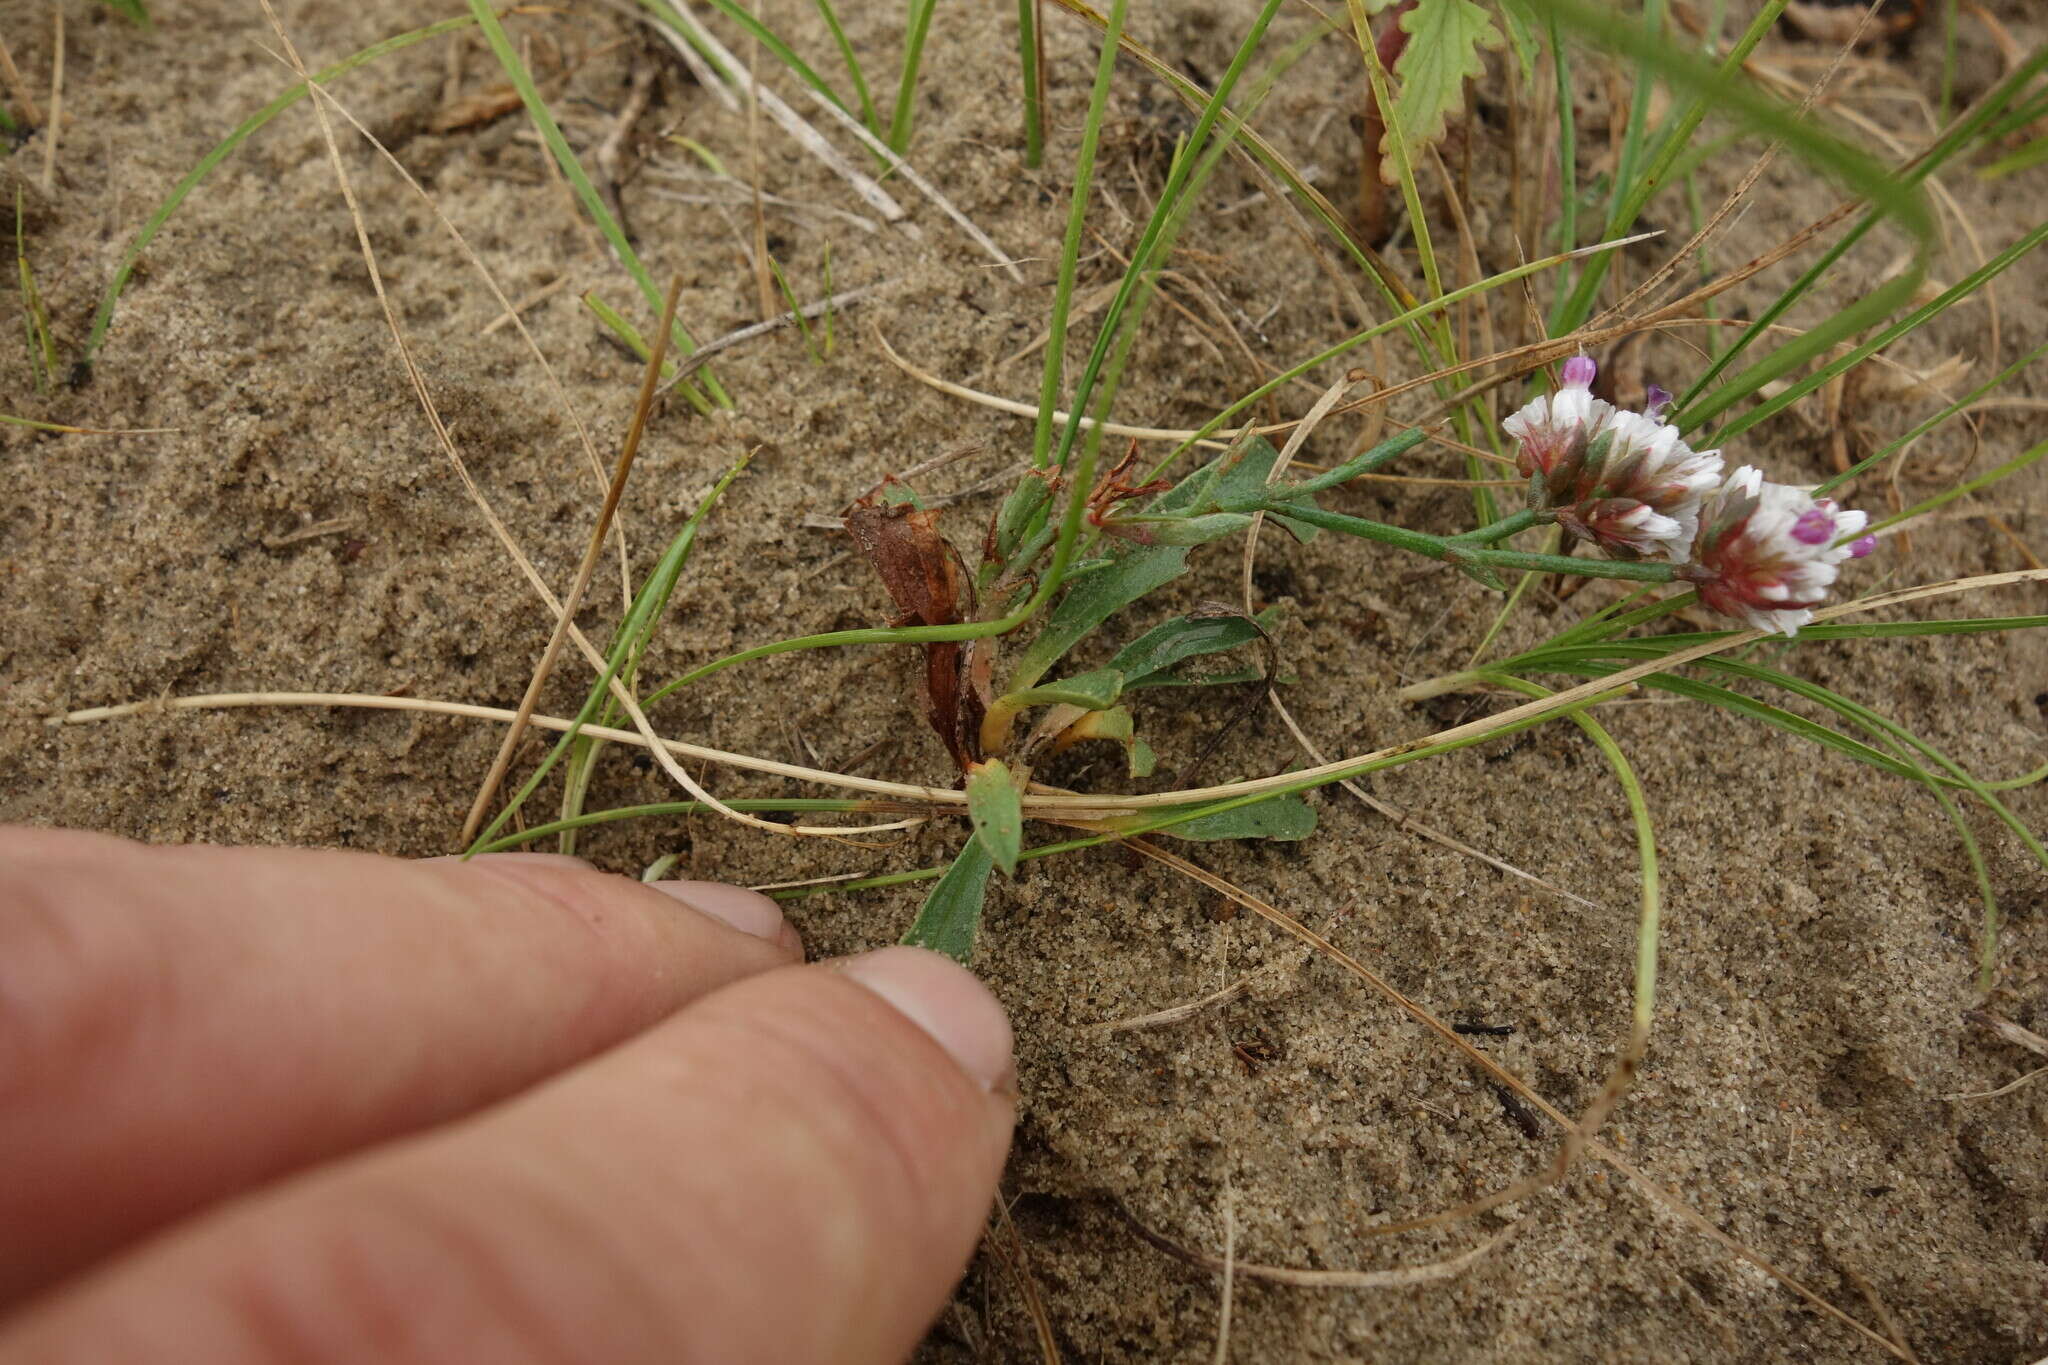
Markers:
<point>927,580</point>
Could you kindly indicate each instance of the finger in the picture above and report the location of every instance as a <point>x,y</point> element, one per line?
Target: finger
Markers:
<point>180,1024</point>
<point>795,1168</point>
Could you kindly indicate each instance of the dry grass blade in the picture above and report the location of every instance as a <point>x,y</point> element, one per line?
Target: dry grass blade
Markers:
<point>703,354</point>
<point>644,729</point>
<point>1399,1278</point>
<point>1229,1278</point>
<point>924,186</point>
<point>592,552</point>
<point>1008,1245</point>
<point>793,123</point>
<point>1054,805</point>
<point>1175,1014</point>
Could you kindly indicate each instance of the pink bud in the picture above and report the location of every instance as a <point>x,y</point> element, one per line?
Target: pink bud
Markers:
<point>1657,402</point>
<point>1862,546</point>
<point>1579,372</point>
<point>1816,526</point>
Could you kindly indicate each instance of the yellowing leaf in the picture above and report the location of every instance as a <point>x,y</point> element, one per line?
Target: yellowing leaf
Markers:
<point>1444,38</point>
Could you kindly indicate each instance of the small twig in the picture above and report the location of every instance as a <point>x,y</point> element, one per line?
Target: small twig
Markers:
<point>309,532</point>
<point>1222,1356</point>
<point>2006,1029</point>
<point>1174,1014</point>
<point>591,554</point>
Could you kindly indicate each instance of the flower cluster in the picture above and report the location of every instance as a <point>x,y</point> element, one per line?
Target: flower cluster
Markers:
<point>1764,553</point>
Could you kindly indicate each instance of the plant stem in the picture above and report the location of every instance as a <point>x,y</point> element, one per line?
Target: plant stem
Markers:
<point>1640,571</point>
<point>1502,529</point>
<point>1032,61</point>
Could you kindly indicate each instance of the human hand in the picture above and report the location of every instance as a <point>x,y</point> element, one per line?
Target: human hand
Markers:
<point>268,1105</point>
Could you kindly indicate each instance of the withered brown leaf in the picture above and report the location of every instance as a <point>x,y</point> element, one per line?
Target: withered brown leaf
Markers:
<point>928,582</point>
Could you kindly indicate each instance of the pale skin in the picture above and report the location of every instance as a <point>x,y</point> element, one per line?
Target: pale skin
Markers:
<point>270,1105</point>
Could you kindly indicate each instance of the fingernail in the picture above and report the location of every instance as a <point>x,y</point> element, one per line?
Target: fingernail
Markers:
<point>750,912</point>
<point>948,1002</point>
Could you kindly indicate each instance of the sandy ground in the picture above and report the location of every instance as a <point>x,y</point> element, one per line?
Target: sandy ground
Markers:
<point>1820,919</point>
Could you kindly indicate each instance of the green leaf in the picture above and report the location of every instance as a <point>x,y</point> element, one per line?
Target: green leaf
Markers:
<point>1225,679</point>
<point>1521,26</point>
<point>995,806</point>
<point>1444,38</point>
<point>1096,598</point>
<point>131,10</point>
<point>1089,691</point>
<point>951,915</point>
<point>1286,818</point>
<point>1198,530</point>
<point>1241,486</point>
<point>1182,637</point>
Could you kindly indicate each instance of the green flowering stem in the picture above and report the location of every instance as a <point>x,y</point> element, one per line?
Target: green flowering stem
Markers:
<point>1640,571</point>
<point>1462,550</point>
<point>1502,529</point>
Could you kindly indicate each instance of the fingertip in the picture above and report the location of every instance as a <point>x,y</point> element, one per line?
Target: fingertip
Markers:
<point>750,912</point>
<point>949,1003</point>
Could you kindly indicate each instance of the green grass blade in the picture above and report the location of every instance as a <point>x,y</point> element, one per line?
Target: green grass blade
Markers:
<point>586,194</point>
<point>1650,897</point>
<point>1030,59</point>
<point>103,318</point>
<point>868,115</point>
<point>919,25</point>
<point>664,810</point>
<point>1796,353</point>
<point>622,657</point>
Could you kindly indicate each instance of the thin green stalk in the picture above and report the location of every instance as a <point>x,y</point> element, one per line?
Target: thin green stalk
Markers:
<point>586,193</point>
<point>906,89</point>
<point>1948,413</point>
<point>1070,246</point>
<point>868,115</point>
<point>103,317</point>
<point>1798,351</point>
<point>1030,59</point>
<point>663,809</point>
<point>1502,529</point>
<point>1984,480</point>
<point>1650,900</point>
<point>622,658</point>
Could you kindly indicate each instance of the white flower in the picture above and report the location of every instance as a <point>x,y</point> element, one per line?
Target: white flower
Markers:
<point>1553,427</point>
<point>1623,479</point>
<point>1768,552</point>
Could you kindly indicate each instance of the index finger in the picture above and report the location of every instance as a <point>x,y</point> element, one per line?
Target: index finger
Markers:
<point>181,1024</point>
